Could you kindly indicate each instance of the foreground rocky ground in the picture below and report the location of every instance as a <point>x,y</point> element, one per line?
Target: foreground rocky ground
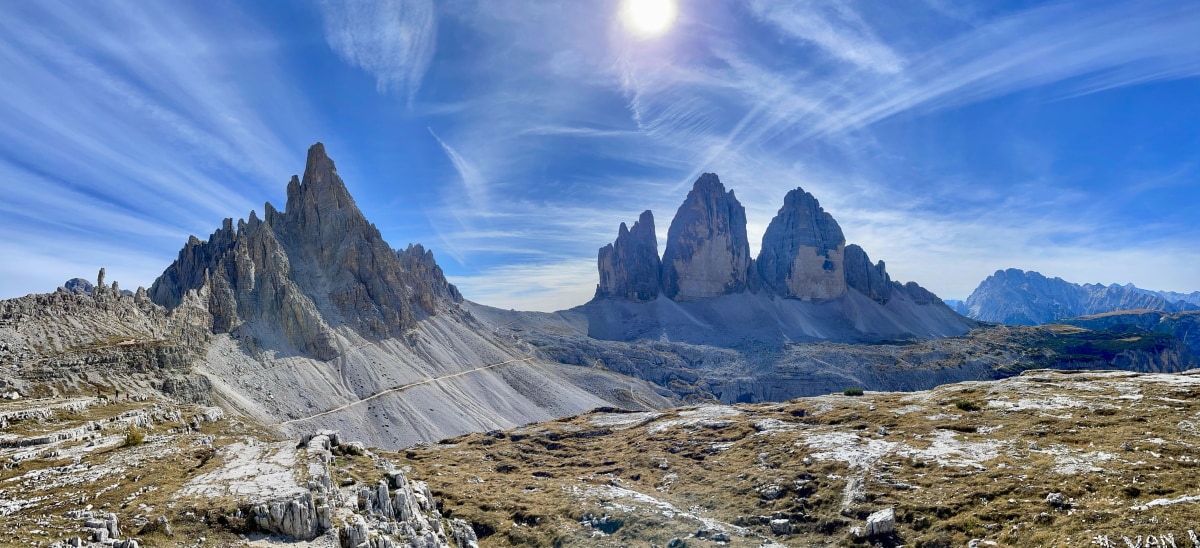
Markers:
<point>84,471</point>
<point>1043,459</point>
<point>1047,458</point>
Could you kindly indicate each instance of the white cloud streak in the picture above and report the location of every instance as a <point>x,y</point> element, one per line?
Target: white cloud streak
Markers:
<point>835,27</point>
<point>538,286</point>
<point>128,131</point>
<point>392,40</point>
<point>1109,45</point>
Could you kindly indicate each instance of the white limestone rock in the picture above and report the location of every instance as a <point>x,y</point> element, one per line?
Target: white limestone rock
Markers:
<point>881,523</point>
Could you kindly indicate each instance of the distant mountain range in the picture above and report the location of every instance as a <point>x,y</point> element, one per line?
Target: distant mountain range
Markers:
<point>1017,297</point>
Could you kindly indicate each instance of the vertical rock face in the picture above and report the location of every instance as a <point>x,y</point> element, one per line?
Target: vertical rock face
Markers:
<point>802,251</point>
<point>707,251</point>
<point>298,272</point>
<point>869,279</point>
<point>629,267</point>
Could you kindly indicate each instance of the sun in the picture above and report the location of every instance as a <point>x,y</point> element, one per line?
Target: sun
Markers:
<point>648,18</point>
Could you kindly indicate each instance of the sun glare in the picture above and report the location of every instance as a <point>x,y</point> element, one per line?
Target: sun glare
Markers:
<point>648,18</point>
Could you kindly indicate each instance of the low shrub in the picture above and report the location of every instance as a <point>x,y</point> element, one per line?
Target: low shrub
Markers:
<point>134,436</point>
<point>966,405</point>
<point>853,392</point>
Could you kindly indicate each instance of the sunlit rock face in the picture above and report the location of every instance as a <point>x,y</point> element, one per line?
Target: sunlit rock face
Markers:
<point>707,252</point>
<point>803,251</point>
<point>629,267</point>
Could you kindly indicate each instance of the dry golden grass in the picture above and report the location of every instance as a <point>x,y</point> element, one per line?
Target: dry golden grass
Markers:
<point>1107,443</point>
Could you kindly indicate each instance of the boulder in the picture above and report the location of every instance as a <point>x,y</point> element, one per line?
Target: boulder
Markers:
<point>881,523</point>
<point>462,534</point>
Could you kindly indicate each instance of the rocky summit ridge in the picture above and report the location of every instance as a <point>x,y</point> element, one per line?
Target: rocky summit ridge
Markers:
<point>806,277</point>
<point>1018,297</point>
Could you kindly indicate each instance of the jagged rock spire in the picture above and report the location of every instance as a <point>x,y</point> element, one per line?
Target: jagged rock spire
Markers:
<point>707,251</point>
<point>629,267</point>
<point>802,250</point>
<point>315,266</point>
<point>869,279</point>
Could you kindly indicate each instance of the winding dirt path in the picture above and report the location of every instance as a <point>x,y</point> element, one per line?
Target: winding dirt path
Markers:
<point>400,388</point>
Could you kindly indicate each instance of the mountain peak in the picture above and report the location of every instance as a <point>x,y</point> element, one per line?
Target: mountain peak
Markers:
<point>1019,297</point>
<point>317,265</point>
<point>629,267</point>
<point>707,251</point>
<point>319,167</point>
<point>802,250</point>
<point>312,199</point>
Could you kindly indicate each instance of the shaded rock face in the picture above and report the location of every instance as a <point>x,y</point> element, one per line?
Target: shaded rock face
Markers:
<point>707,251</point>
<point>79,285</point>
<point>802,251</point>
<point>629,267</point>
<point>869,279</point>
<point>1017,297</point>
<point>66,336</point>
<point>296,273</point>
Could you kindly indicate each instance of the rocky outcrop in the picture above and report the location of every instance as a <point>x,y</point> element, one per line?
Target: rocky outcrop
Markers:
<point>295,273</point>
<point>1017,297</point>
<point>707,251</point>
<point>802,251</point>
<point>629,267</point>
<point>62,339</point>
<point>869,279</point>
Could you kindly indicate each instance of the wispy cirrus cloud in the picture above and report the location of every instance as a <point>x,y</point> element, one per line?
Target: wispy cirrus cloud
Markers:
<point>393,40</point>
<point>835,27</point>
<point>533,286</point>
<point>1089,47</point>
<point>127,132</point>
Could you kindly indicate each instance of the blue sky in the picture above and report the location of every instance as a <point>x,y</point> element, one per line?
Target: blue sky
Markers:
<point>949,139</point>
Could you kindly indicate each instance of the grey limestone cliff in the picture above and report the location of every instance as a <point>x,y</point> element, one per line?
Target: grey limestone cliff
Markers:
<point>805,285</point>
<point>869,279</point>
<point>629,267</point>
<point>802,251</point>
<point>707,251</point>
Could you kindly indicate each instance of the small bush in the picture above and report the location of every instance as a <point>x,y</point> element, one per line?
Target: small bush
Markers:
<point>966,405</point>
<point>134,436</point>
<point>853,392</point>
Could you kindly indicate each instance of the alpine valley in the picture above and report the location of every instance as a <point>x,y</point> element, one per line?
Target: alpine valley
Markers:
<point>294,378</point>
